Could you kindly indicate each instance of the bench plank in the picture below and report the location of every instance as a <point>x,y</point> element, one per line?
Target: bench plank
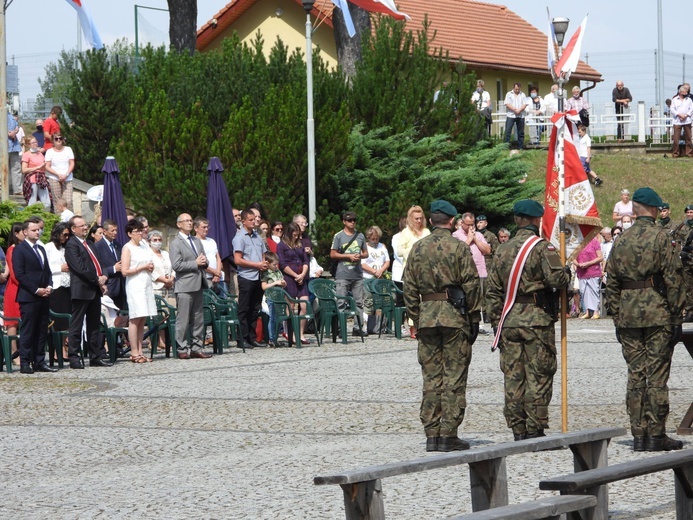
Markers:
<point>634,468</point>
<point>549,507</point>
<point>683,492</point>
<point>445,460</point>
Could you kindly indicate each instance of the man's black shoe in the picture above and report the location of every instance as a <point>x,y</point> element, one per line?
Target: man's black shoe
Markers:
<point>43,367</point>
<point>639,442</point>
<point>662,443</point>
<point>357,332</point>
<point>100,363</point>
<point>245,344</point>
<point>431,443</point>
<point>536,434</point>
<point>256,344</point>
<point>26,369</point>
<point>78,365</point>
<point>452,444</point>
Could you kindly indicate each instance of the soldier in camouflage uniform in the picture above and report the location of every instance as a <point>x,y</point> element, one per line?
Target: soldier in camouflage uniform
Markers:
<point>492,240</point>
<point>645,294</point>
<point>684,241</point>
<point>445,334</point>
<point>664,217</point>
<point>528,349</point>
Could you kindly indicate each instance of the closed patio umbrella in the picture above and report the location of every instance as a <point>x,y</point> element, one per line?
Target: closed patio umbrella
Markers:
<point>113,205</point>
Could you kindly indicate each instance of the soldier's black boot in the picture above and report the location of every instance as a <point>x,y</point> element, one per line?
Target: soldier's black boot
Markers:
<point>452,444</point>
<point>519,436</point>
<point>662,443</point>
<point>432,443</point>
<point>639,442</point>
<point>536,434</point>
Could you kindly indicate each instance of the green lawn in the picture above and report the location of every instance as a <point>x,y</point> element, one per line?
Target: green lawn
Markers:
<point>668,177</point>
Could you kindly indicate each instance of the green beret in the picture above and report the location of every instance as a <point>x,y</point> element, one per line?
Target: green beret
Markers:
<point>528,208</point>
<point>480,218</point>
<point>647,197</point>
<point>665,205</point>
<point>443,206</point>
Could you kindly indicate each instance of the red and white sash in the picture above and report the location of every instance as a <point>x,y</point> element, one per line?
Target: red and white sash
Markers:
<point>514,283</point>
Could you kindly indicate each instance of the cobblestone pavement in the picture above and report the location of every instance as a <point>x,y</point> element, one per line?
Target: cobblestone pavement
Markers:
<point>243,435</point>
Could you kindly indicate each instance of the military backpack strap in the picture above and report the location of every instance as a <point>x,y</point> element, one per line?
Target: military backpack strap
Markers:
<point>514,283</point>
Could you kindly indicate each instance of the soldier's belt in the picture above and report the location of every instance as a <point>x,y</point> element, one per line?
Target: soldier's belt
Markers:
<point>639,284</point>
<point>434,297</point>
<point>526,298</point>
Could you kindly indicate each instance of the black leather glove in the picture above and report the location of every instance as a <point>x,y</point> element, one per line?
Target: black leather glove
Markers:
<point>475,332</point>
<point>676,337</point>
<point>618,334</point>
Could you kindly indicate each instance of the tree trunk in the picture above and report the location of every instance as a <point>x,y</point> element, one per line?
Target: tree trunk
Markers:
<point>182,29</point>
<point>349,49</point>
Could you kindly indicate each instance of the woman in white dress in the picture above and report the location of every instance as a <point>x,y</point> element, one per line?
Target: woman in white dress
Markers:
<point>137,266</point>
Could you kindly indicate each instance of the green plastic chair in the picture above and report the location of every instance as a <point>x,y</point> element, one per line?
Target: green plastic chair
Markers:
<point>6,340</point>
<point>387,293</point>
<point>330,312</point>
<point>285,309</point>
<point>166,309</point>
<point>223,320</point>
<point>56,337</point>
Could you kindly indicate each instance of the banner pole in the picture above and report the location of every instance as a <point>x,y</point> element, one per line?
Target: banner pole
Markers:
<point>564,293</point>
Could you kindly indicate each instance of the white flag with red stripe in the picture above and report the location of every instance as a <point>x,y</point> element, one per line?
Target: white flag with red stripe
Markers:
<point>91,35</point>
<point>581,213</point>
<point>387,7</point>
<point>571,54</point>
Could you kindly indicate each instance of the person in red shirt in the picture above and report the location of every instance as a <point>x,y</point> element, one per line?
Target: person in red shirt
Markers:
<point>51,126</point>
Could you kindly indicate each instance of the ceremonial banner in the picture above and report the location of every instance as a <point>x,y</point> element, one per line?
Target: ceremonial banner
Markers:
<point>387,7</point>
<point>582,217</point>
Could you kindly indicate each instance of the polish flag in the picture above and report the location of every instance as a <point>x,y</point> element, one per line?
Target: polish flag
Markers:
<point>87,23</point>
<point>571,54</point>
<point>581,214</point>
<point>387,7</point>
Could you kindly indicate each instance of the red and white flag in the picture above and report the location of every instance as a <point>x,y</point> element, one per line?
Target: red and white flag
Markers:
<point>571,54</point>
<point>87,23</point>
<point>387,7</point>
<point>581,214</point>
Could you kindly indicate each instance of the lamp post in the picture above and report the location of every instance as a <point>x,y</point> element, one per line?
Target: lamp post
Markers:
<point>310,123</point>
<point>560,27</point>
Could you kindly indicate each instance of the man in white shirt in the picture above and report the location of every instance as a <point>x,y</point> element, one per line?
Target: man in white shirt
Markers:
<point>515,104</point>
<point>214,272</point>
<point>681,113</point>
<point>482,101</point>
<point>551,100</point>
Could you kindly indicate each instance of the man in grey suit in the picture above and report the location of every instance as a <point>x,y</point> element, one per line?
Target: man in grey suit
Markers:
<point>189,262</point>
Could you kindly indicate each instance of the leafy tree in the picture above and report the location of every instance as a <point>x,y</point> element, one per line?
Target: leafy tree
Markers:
<point>97,96</point>
<point>58,77</point>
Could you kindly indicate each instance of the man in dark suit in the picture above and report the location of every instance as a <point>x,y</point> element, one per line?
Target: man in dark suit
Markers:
<point>108,252</point>
<point>87,284</point>
<point>189,262</point>
<point>33,274</point>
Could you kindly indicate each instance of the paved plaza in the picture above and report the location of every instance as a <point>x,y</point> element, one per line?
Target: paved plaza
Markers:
<point>243,435</point>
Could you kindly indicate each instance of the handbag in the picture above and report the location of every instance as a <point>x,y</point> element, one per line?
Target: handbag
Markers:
<point>584,117</point>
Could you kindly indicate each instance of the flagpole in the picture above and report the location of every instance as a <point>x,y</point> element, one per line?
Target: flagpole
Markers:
<point>560,27</point>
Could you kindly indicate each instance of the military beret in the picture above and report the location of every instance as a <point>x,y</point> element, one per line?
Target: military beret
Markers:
<point>648,197</point>
<point>481,217</point>
<point>443,206</point>
<point>665,205</point>
<point>689,207</point>
<point>528,208</point>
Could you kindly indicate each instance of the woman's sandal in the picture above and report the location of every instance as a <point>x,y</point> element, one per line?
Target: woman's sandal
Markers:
<point>138,359</point>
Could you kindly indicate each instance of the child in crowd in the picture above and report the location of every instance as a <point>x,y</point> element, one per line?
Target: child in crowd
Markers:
<point>61,208</point>
<point>585,153</point>
<point>273,277</point>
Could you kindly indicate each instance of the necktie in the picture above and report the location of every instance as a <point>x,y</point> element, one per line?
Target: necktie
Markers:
<point>113,251</point>
<point>192,244</point>
<point>93,259</point>
<point>38,253</point>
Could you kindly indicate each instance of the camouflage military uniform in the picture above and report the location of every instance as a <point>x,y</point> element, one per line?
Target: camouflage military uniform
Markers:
<point>645,319</point>
<point>435,262</point>
<point>681,236</point>
<point>492,240</point>
<point>528,350</point>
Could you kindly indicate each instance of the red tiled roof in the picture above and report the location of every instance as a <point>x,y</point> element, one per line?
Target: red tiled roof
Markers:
<point>475,31</point>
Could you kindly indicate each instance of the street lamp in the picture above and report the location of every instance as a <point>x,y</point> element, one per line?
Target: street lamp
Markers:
<point>310,123</point>
<point>560,27</point>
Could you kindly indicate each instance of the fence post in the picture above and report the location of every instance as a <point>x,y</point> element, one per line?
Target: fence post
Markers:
<point>641,121</point>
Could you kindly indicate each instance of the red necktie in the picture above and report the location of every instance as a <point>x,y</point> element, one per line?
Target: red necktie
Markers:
<point>93,259</point>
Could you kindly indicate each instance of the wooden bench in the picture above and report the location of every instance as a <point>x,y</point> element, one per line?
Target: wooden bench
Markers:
<point>362,488</point>
<point>544,508</point>
<point>594,481</point>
